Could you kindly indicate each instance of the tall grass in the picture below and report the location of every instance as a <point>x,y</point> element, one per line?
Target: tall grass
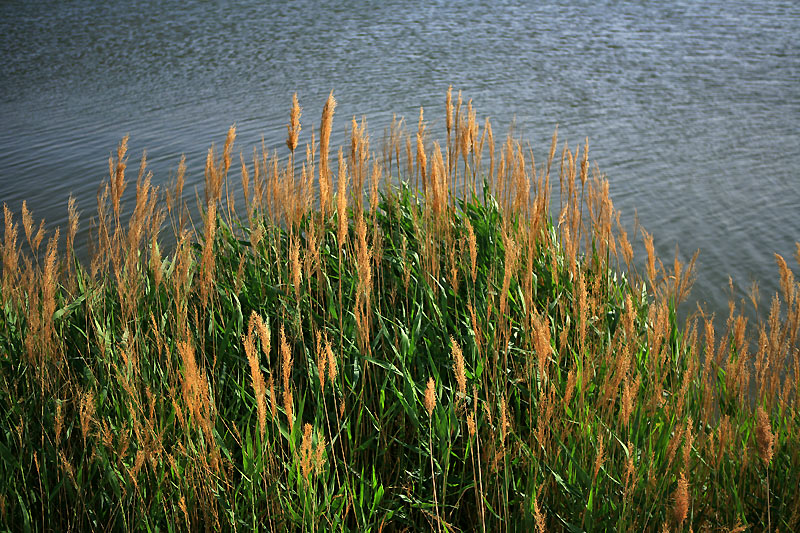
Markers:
<point>449,355</point>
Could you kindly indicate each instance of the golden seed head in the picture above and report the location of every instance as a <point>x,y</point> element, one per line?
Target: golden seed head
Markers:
<point>286,353</point>
<point>341,201</point>
<point>681,497</point>
<point>600,457</point>
<point>449,104</point>
<point>322,361</point>
<point>504,423</point>
<point>430,396</point>
<point>228,149</point>
<point>538,516</point>
<point>263,334</point>
<point>764,436</point>
<point>473,250</point>
<point>471,424</point>
<point>332,370</point>
<point>293,127</point>
<point>297,275</point>
<point>305,451</point>
<point>319,454</point>
<point>288,406</point>
<point>458,366</point>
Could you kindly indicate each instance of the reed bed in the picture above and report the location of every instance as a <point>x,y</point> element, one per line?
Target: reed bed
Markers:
<point>413,338</point>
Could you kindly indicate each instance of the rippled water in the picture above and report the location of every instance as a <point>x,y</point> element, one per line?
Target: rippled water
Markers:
<point>692,108</point>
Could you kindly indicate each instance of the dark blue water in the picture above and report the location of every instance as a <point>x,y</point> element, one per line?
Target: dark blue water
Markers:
<point>692,109</point>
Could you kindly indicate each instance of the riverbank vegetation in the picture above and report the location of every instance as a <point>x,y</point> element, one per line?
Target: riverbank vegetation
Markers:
<point>411,336</point>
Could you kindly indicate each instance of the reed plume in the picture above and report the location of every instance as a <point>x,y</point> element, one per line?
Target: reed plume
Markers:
<point>288,400</point>
<point>293,128</point>
<point>681,500</point>
<point>324,147</point>
<point>430,396</point>
<point>458,366</point>
<point>257,377</point>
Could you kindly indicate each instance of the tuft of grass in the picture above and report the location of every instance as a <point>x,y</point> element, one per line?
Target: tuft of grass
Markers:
<point>447,354</point>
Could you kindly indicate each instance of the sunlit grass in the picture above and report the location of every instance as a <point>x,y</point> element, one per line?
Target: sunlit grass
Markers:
<point>410,341</point>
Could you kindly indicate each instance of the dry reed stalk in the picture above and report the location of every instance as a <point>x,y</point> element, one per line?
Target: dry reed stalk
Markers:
<point>709,390</point>
<point>458,366</point>
<point>687,443</point>
<point>430,396</point>
<point>505,424</point>
<point>422,159</point>
<point>544,348</point>
<point>294,258</point>
<point>319,454</point>
<point>625,244</point>
<point>322,360</point>
<point>364,268</point>
<point>538,516</point>
<point>473,129</point>
<point>430,405</point>
<point>583,318</point>
<point>570,389</point>
<point>324,144</point>
<point>273,399</point>
<point>764,437</point>
<point>438,184</point>
<point>681,500</point>
<point>453,152</point>
<point>257,376</point>
<point>10,253</point>
<point>305,452</point>
<point>86,413</point>
<point>600,457</point>
<point>509,268</point>
<point>286,356</point>
<point>245,177</point>
<point>213,181</point>
<point>453,263</point>
<point>332,368</point>
<point>293,128</point>
<point>475,327</point>
<point>477,156</point>
<point>651,265</point>
<point>341,203</point>
<point>465,137</point>
<point>195,389</point>
<point>208,259</point>
<point>629,393</point>
<point>630,472</point>
<point>117,175</point>
<point>27,224</point>
<point>406,262</point>
<point>490,140</point>
<point>361,157</point>
<point>473,250</point>
<point>449,115</point>
<point>43,331</point>
<point>521,182</point>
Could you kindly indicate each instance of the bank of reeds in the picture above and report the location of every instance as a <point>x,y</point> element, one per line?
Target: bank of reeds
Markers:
<point>407,341</point>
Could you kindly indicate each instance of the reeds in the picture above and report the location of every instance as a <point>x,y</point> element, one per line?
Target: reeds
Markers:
<point>144,391</point>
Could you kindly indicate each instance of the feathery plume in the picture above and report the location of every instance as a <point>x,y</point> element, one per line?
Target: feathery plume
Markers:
<point>458,366</point>
<point>430,396</point>
<point>681,500</point>
<point>764,436</point>
<point>324,144</point>
<point>293,128</point>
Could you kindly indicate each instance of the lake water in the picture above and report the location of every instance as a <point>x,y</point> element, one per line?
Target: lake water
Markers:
<point>692,109</point>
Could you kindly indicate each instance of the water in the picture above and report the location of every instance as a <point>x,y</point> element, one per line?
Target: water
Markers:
<point>692,109</point>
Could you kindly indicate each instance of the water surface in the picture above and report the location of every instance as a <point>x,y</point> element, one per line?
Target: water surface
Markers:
<point>692,108</point>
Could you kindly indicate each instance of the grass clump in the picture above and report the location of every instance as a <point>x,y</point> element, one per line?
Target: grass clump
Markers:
<point>424,346</point>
